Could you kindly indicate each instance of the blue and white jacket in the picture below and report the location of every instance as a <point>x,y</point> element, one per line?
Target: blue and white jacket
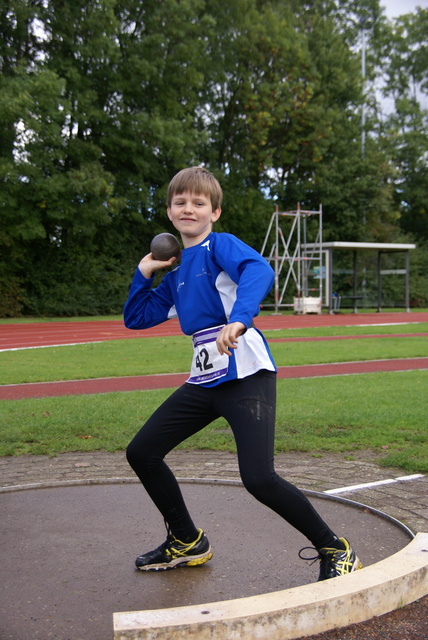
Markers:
<point>218,281</point>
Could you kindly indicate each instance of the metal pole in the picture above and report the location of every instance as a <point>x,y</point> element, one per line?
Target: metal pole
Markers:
<point>355,282</point>
<point>276,262</point>
<point>408,281</point>
<point>299,266</point>
<point>305,263</point>
<point>363,73</point>
<point>320,253</point>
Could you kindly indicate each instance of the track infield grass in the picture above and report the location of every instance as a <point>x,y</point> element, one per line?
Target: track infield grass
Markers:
<point>384,413</point>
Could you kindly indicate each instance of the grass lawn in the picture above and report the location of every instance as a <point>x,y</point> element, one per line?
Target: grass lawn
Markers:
<point>142,356</point>
<point>382,412</point>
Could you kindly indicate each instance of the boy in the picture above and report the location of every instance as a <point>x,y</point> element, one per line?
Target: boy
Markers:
<point>215,292</point>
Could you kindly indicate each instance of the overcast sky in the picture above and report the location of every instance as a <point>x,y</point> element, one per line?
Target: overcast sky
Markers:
<point>396,8</point>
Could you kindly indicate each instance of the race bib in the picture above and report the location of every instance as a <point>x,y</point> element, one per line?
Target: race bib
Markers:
<point>207,364</point>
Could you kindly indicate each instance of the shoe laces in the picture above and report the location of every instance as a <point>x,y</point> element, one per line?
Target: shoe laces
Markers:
<point>169,547</point>
<point>326,554</point>
<point>310,559</point>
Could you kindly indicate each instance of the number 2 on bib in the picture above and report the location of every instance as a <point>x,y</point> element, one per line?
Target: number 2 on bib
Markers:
<point>202,360</point>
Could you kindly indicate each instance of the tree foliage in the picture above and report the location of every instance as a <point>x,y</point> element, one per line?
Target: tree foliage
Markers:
<point>101,102</point>
<point>403,58</point>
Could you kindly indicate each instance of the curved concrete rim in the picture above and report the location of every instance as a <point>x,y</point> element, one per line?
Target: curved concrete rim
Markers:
<point>283,615</point>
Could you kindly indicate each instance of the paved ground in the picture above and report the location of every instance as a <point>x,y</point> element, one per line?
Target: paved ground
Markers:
<point>404,499</point>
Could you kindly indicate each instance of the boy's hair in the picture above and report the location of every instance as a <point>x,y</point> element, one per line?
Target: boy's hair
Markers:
<point>195,180</point>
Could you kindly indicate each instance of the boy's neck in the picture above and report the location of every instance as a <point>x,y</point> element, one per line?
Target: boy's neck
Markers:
<point>193,242</point>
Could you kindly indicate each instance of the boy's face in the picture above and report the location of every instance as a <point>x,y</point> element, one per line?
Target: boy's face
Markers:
<point>193,216</point>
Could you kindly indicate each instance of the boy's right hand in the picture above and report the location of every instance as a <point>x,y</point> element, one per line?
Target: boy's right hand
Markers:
<point>148,265</point>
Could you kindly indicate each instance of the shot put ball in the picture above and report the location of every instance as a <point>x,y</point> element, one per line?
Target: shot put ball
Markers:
<point>164,246</point>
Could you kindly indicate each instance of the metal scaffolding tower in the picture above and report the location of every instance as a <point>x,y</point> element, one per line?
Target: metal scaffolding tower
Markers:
<point>288,236</point>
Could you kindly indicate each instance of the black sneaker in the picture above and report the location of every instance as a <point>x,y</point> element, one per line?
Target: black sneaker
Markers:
<point>173,553</point>
<point>335,562</point>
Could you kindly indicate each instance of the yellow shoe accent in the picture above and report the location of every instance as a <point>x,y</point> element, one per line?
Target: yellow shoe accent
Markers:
<point>198,561</point>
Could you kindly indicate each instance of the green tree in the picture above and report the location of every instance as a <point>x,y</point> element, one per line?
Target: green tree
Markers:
<point>102,101</point>
<point>19,222</point>
<point>403,57</point>
<point>107,116</point>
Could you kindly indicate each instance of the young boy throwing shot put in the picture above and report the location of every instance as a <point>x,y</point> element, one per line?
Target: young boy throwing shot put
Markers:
<point>215,292</point>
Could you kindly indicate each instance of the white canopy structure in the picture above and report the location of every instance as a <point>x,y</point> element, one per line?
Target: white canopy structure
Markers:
<point>355,247</point>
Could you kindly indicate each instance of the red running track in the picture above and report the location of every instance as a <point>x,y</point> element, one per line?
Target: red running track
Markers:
<point>44,334</point>
<point>163,381</point>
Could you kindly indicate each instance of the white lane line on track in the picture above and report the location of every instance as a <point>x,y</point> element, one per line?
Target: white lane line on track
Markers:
<point>47,346</point>
<point>381,324</point>
<point>378,483</point>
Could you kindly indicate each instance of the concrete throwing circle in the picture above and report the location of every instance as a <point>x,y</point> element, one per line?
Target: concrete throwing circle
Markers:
<point>68,554</point>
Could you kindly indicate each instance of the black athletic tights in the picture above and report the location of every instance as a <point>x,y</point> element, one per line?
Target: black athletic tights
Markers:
<point>249,407</point>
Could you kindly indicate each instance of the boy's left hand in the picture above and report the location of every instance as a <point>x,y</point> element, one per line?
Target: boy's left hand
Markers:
<point>228,337</point>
